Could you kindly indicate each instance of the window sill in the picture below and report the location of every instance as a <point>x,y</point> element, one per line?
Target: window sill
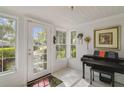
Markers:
<point>72,58</point>
<point>63,59</point>
<point>7,73</point>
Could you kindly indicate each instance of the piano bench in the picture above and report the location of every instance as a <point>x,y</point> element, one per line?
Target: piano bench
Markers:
<point>101,71</point>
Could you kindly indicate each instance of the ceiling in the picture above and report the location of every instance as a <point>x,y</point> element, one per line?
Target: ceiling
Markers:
<point>63,15</point>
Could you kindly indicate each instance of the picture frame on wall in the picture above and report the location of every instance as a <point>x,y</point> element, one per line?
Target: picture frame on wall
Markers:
<point>107,38</point>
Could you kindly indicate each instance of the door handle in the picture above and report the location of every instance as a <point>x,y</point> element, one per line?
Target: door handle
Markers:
<point>29,53</point>
<point>29,49</point>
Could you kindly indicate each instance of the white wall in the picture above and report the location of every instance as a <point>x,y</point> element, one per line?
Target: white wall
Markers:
<point>87,29</point>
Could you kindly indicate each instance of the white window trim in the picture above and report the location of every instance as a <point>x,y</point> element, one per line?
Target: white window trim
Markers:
<point>16,44</point>
<point>62,59</point>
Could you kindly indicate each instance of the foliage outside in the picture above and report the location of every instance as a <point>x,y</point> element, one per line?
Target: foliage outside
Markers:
<point>73,51</point>
<point>61,45</point>
<point>7,43</point>
<point>7,52</point>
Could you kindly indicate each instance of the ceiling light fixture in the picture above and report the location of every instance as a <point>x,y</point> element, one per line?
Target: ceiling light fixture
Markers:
<point>72,7</point>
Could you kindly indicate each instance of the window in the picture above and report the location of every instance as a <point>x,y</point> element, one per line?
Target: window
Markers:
<point>7,44</point>
<point>73,44</point>
<point>60,45</point>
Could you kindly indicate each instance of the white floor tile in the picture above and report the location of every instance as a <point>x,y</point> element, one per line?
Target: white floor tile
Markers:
<point>73,78</point>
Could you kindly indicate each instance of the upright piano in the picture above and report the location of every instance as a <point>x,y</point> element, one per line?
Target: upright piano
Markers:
<point>116,64</point>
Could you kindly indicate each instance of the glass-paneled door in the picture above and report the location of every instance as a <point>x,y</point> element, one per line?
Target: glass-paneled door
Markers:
<point>37,50</point>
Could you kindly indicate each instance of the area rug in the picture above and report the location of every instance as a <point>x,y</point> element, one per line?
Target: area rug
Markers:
<point>47,81</point>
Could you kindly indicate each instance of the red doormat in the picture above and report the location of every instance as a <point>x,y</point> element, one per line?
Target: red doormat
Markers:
<point>47,81</point>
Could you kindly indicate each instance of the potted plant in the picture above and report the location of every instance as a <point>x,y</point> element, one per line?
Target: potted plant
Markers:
<point>87,39</point>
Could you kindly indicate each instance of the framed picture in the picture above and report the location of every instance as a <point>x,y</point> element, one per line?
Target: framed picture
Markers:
<point>107,38</point>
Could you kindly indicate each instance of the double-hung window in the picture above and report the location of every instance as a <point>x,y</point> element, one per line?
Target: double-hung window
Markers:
<point>73,44</point>
<point>60,45</point>
<point>7,44</point>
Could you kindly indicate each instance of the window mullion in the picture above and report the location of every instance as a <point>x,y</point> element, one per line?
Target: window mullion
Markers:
<point>2,47</point>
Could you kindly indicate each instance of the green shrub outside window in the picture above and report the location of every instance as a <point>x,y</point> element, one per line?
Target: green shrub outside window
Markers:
<point>7,52</point>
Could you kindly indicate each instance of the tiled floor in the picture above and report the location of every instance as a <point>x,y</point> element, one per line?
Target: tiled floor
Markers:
<point>73,78</point>
<point>68,76</point>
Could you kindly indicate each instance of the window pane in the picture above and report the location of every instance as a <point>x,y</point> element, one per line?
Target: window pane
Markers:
<point>8,58</point>
<point>60,51</point>
<point>73,37</point>
<point>60,37</point>
<point>0,65</point>
<point>57,37</point>
<point>8,43</point>
<point>1,29</point>
<point>64,37</point>
<point>73,51</point>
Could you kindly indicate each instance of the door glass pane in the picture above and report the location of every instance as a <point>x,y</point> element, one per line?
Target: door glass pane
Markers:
<point>39,49</point>
<point>44,59</point>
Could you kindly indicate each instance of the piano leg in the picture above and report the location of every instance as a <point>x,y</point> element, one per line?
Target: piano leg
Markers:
<point>83,68</point>
<point>91,76</point>
<point>112,80</point>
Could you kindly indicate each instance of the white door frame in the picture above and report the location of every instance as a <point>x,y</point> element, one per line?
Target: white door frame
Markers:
<point>47,26</point>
